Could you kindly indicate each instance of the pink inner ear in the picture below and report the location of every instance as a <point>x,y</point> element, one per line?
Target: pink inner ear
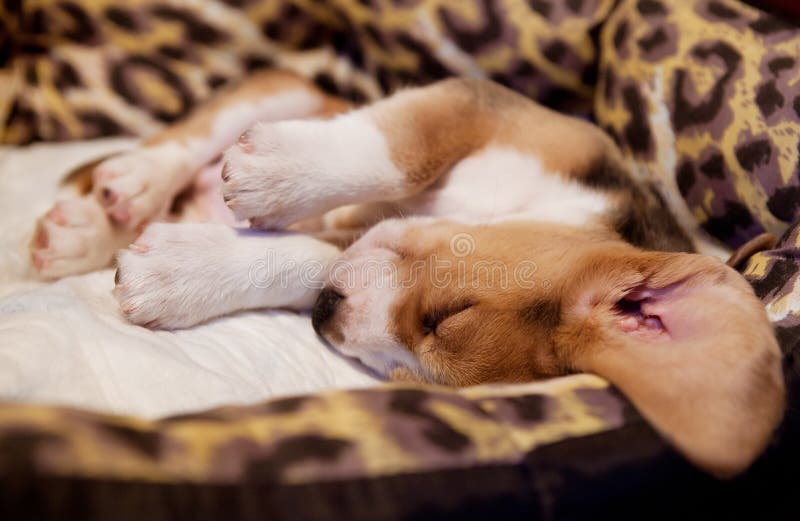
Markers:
<point>641,312</point>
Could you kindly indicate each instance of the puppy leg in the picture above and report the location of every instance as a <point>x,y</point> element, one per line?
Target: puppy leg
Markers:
<point>74,237</point>
<point>179,275</point>
<point>136,187</point>
<point>284,172</point>
<point>139,186</point>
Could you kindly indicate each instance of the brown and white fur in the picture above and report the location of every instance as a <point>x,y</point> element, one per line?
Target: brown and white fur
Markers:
<point>452,191</point>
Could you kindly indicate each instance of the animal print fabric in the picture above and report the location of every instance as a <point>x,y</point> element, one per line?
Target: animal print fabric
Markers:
<point>77,69</point>
<point>775,277</point>
<point>703,95</point>
<point>298,443</point>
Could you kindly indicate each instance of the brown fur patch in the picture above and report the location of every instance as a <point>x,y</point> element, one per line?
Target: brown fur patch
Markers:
<point>432,128</point>
<point>545,313</point>
<point>641,216</point>
<point>643,219</point>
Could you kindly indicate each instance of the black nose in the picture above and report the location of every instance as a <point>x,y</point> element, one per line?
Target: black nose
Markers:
<point>324,308</point>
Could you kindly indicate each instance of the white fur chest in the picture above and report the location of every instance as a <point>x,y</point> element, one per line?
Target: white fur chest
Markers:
<point>501,184</point>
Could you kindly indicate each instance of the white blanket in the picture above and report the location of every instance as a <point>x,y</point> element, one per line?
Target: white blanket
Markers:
<point>66,342</point>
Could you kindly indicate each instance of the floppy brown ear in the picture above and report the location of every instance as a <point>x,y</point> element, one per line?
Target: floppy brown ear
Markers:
<point>686,339</point>
<point>765,241</point>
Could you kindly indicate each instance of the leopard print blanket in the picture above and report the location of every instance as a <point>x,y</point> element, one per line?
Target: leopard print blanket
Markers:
<point>80,69</point>
<point>704,96</point>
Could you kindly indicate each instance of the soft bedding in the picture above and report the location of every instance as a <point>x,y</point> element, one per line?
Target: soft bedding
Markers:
<point>66,342</point>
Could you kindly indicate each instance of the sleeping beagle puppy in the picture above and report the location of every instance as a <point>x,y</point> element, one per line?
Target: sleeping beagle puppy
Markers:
<point>455,234</point>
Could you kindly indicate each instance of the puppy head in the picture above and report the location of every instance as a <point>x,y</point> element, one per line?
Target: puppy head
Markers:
<point>682,335</point>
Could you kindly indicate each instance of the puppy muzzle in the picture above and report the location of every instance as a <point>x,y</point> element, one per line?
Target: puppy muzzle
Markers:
<point>325,308</point>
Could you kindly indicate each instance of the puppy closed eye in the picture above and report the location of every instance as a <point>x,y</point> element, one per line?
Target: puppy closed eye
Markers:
<point>433,319</point>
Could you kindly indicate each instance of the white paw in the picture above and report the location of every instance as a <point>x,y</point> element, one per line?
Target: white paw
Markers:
<point>179,275</point>
<point>167,278</point>
<point>73,237</point>
<point>280,173</point>
<point>138,187</point>
<point>268,176</point>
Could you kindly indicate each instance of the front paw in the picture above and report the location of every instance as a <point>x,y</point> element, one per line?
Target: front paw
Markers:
<point>271,176</point>
<point>164,280</point>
